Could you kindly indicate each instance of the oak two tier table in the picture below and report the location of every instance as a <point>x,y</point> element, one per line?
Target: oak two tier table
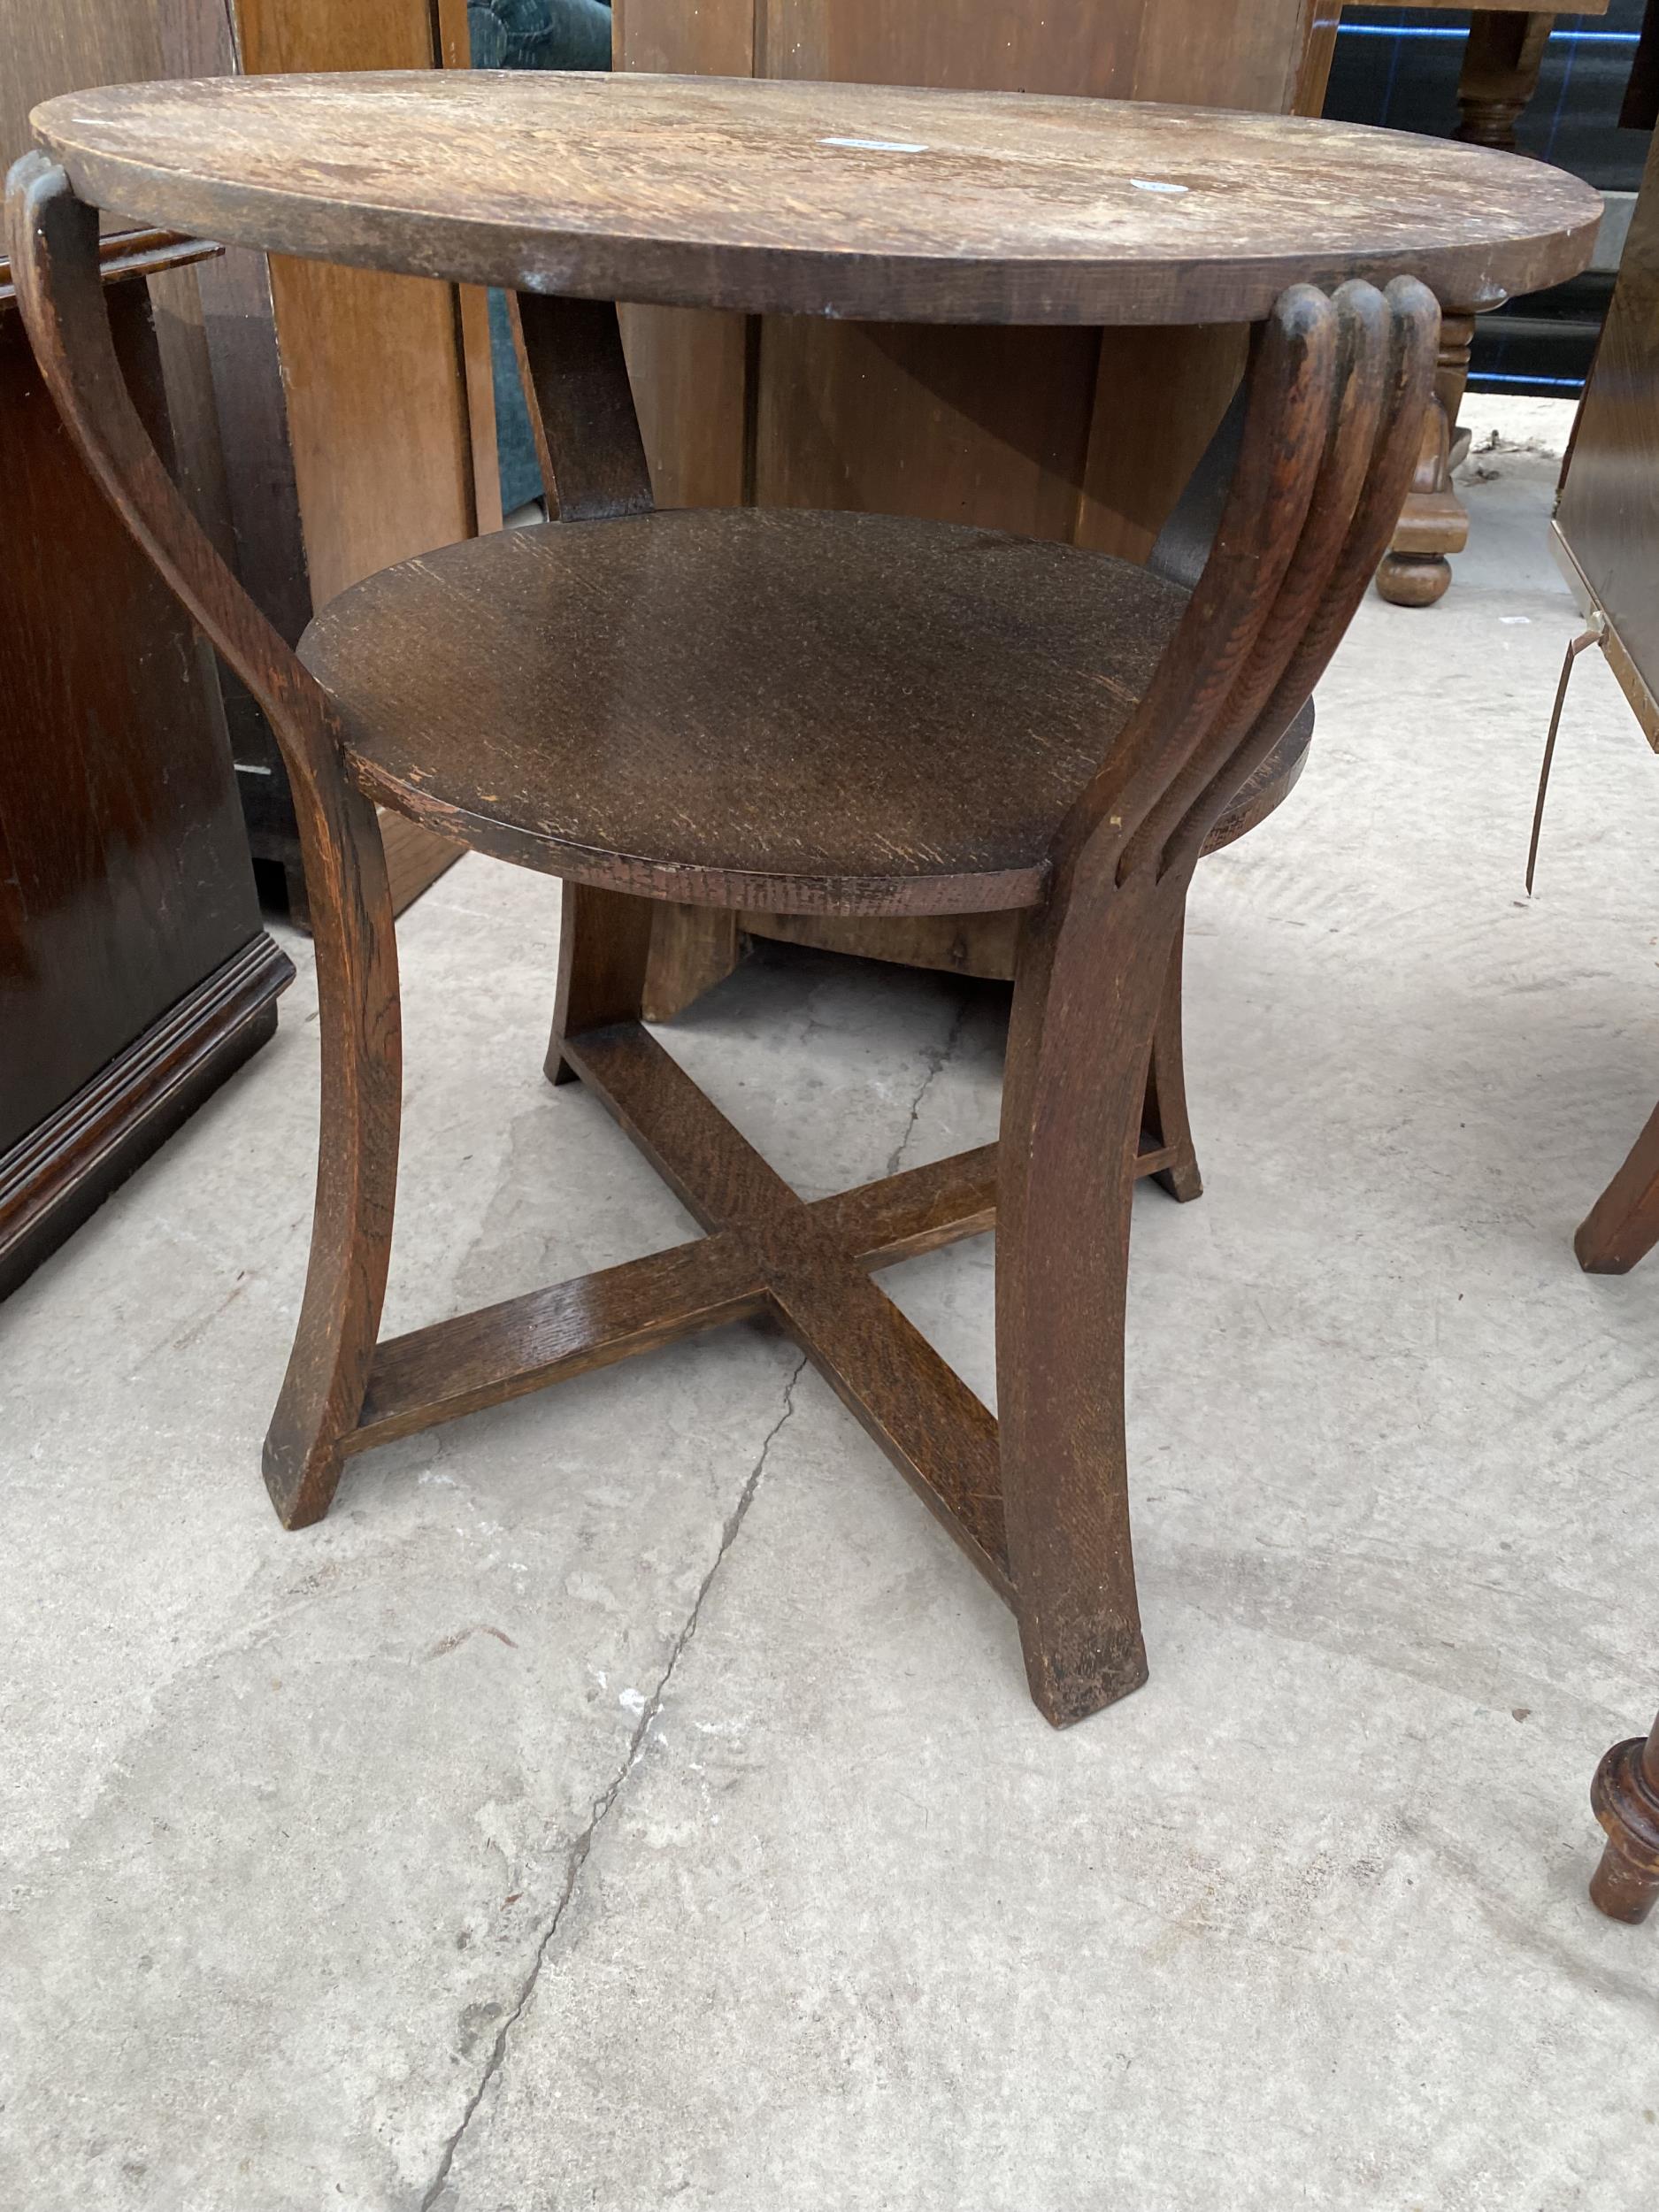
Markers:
<point>802,712</point>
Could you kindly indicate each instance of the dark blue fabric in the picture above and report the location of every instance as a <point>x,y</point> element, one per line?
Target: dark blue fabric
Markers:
<point>529,35</point>
<point>540,34</point>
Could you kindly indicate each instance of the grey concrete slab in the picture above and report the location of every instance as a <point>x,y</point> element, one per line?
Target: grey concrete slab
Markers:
<point>628,1798</point>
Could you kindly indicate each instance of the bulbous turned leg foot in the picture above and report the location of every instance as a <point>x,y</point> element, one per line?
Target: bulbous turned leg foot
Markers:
<point>1415,571</point>
<point>1414,579</point>
<point>1624,1798</point>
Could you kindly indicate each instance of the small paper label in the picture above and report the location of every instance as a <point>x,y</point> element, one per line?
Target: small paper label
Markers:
<point>875,145</point>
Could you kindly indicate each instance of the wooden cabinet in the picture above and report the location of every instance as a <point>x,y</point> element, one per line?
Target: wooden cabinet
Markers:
<point>1607,526</point>
<point>1606,536</point>
<point>323,422</point>
<point>134,973</point>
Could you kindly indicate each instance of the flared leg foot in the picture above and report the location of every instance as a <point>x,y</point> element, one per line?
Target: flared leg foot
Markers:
<point>1623,1225</point>
<point>1414,579</point>
<point>1622,1891</point>
<point>1073,1107</point>
<point>356,1175</point>
<point>301,1481</point>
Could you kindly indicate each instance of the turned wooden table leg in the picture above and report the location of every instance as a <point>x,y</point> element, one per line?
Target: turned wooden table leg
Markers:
<point>1624,1797</point>
<point>1416,572</point>
<point>1500,74</point>
<point>1501,60</point>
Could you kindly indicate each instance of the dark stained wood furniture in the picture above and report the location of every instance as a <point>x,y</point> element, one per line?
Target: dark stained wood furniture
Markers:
<point>350,415</point>
<point>1501,60</point>
<point>1083,435</point>
<point>1606,537</point>
<point>1624,1797</point>
<point>326,421</point>
<point>133,974</point>
<point>1078,434</point>
<point>1014,724</point>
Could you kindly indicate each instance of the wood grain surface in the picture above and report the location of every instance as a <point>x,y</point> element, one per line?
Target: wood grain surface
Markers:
<point>1624,1797</point>
<point>866,201</point>
<point>134,973</point>
<point>1072,433</point>
<point>760,708</point>
<point>1039,1500</point>
<point>1608,516</point>
<point>47,48</point>
<point>1607,539</point>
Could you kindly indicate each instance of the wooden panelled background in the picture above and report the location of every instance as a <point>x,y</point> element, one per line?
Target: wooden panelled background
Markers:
<point>1063,433</point>
<point>1608,521</point>
<point>373,366</point>
<point>349,415</point>
<point>47,49</point>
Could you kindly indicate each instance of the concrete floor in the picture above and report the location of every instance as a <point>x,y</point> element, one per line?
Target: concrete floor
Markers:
<point>628,1798</point>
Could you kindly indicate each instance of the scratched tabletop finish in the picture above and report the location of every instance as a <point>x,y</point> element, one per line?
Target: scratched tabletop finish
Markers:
<point>855,200</point>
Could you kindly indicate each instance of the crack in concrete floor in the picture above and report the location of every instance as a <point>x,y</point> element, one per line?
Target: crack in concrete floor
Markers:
<point>936,1059</point>
<point>434,2198</point>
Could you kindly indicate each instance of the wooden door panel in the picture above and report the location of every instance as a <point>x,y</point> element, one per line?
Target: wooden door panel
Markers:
<point>959,426</point>
<point>960,43</point>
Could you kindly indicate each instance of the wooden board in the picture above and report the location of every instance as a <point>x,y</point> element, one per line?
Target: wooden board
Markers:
<point>869,202</point>
<point>355,411</point>
<point>1608,516</point>
<point>1247,57</point>
<point>371,362</point>
<point>1462,7</point>
<point>690,366</point>
<point>133,974</point>
<point>51,48</point>
<point>1123,416</point>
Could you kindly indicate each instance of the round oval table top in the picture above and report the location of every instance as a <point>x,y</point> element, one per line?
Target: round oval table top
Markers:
<point>823,199</point>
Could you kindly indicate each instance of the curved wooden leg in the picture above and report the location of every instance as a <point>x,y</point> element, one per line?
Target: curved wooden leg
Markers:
<point>1623,1225</point>
<point>1415,571</point>
<point>1165,1123</point>
<point>604,953</point>
<point>1071,1118</point>
<point>1625,1799</point>
<point>357,1174</point>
